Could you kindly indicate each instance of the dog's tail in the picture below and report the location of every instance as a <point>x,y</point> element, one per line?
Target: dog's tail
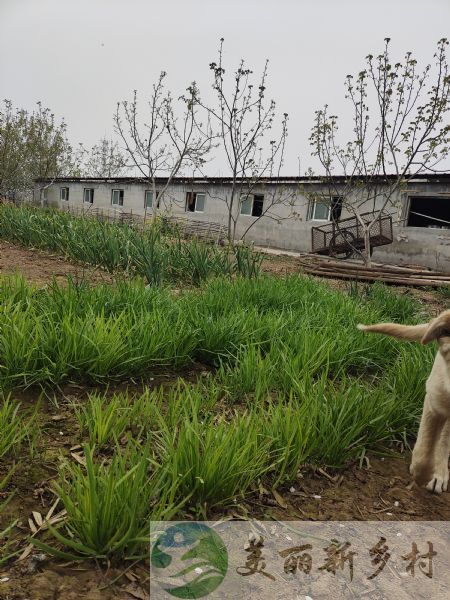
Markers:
<point>412,333</point>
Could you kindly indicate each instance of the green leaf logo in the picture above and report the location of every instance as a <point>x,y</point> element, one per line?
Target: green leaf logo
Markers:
<point>197,557</point>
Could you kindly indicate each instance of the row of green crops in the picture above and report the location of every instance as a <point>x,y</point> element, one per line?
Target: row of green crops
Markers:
<point>144,252</point>
<point>181,454</point>
<point>281,328</point>
<point>292,381</point>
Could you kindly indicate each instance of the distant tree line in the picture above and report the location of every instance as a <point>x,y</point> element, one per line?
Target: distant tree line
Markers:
<point>34,145</point>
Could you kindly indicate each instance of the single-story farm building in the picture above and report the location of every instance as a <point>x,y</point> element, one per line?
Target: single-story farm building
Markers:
<point>420,211</point>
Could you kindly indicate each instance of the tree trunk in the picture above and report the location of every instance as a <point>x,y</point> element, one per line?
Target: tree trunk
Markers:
<point>231,229</point>
<point>366,255</point>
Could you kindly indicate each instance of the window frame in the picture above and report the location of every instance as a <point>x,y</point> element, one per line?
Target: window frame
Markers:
<point>251,197</point>
<point>158,199</point>
<point>91,190</point>
<point>332,203</point>
<point>312,210</point>
<point>121,197</point>
<point>66,190</point>
<point>145,199</point>
<point>195,195</point>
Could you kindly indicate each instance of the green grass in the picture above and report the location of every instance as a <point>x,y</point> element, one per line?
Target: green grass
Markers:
<point>16,426</point>
<point>288,381</point>
<point>148,252</point>
<point>7,543</point>
<point>104,418</point>
<point>54,334</point>
<point>110,504</point>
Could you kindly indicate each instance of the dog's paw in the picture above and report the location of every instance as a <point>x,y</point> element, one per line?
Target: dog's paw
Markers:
<point>438,483</point>
<point>434,479</point>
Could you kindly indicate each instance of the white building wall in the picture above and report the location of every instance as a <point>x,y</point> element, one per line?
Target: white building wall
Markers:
<point>412,245</point>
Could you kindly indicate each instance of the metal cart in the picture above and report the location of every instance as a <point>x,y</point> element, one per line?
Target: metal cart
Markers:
<point>341,239</point>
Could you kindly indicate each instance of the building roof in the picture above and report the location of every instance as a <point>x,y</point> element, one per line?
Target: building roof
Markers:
<point>422,178</point>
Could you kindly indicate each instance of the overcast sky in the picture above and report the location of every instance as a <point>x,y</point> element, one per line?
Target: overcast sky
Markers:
<point>79,57</point>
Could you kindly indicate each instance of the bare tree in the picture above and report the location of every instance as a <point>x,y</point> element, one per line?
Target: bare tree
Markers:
<point>105,160</point>
<point>245,120</point>
<point>164,143</point>
<point>400,128</point>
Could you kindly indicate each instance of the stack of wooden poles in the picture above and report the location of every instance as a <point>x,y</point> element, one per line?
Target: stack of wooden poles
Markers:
<point>411,275</point>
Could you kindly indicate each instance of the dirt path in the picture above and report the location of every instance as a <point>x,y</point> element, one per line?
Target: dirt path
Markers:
<point>39,266</point>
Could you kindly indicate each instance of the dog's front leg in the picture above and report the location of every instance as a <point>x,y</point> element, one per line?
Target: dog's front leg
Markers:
<point>426,468</point>
<point>441,461</point>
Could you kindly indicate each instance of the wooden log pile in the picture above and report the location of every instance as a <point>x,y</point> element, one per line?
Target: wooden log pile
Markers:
<point>410,275</point>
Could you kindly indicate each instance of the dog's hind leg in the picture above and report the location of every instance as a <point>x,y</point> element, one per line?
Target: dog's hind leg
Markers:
<point>425,468</point>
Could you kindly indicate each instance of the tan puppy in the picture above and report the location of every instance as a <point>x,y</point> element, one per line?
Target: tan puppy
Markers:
<point>429,465</point>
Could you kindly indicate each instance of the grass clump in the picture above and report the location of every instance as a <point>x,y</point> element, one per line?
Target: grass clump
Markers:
<point>110,504</point>
<point>215,460</point>
<point>288,381</point>
<point>16,426</point>
<point>104,418</point>
<point>7,543</point>
<point>294,326</point>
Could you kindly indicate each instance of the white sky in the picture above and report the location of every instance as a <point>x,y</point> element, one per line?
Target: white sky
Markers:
<point>79,57</point>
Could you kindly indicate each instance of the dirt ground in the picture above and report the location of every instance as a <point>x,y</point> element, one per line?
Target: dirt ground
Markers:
<point>41,267</point>
<point>379,489</point>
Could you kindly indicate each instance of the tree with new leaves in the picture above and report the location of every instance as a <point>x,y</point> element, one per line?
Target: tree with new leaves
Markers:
<point>105,160</point>
<point>49,153</point>
<point>400,128</point>
<point>32,146</point>
<point>13,133</point>
<point>163,143</point>
<point>245,120</point>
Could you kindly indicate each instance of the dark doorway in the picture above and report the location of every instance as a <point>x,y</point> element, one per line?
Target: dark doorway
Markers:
<point>336,208</point>
<point>429,211</point>
<point>258,204</point>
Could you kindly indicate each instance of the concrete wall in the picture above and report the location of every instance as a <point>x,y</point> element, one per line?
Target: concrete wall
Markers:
<point>412,245</point>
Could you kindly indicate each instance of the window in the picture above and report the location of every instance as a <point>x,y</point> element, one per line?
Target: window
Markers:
<point>252,205</point>
<point>195,202</point>
<point>319,211</point>
<point>429,211</point>
<point>324,211</point>
<point>117,197</point>
<point>64,193</point>
<point>148,199</point>
<point>88,195</point>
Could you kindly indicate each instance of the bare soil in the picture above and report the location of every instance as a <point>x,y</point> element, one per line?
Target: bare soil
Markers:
<point>40,266</point>
<point>379,489</point>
